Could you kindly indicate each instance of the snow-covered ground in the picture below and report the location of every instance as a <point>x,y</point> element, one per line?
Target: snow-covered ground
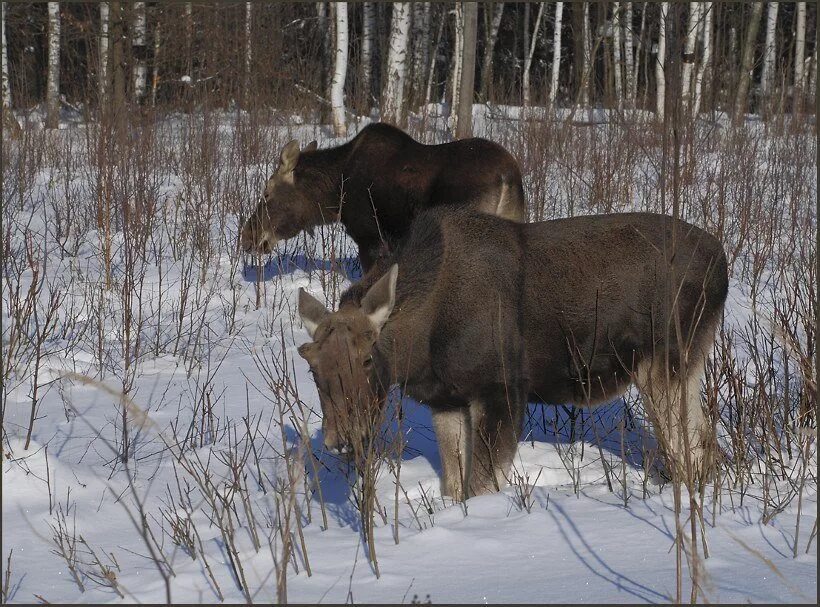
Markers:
<point>227,493</point>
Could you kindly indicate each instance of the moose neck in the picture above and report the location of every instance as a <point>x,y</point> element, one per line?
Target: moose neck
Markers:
<point>320,173</point>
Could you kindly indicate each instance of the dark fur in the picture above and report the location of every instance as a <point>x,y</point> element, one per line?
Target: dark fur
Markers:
<point>497,313</point>
<point>381,179</point>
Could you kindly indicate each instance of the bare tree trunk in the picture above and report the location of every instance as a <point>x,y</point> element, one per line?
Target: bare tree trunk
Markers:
<point>53,86</point>
<point>707,10</point>
<point>431,72</point>
<point>531,53</point>
<point>799,53</point>
<point>458,47</point>
<point>138,50</point>
<point>393,97</point>
<point>8,120</point>
<point>586,37</point>
<point>155,68</point>
<point>747,61</point>
<point>769,48</point>
<point>464,120</point>
<point>639,50</point>
<point>5,90</point>
<point>421,48</point>
<point>629,62</point>
<point>616,53</point>
<point>337,88</point>
<point>660,66</point>
<point>118,68</point>
<point>693,21</point>
<point>556,53</point>
<point>246,81</point>
<point>489,47</point>
<point>103,71</point>
<point>368,33</point>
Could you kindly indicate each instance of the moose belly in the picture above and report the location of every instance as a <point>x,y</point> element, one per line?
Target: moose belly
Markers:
<point>601,380</point>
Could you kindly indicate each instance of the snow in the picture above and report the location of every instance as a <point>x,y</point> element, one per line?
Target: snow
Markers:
<point>560,535</point>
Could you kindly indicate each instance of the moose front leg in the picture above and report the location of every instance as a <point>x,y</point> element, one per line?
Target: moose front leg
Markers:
<point>455,443</point>
<point>496,426</point>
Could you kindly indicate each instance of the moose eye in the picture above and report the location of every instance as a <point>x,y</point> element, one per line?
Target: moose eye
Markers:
<point>368,362</point>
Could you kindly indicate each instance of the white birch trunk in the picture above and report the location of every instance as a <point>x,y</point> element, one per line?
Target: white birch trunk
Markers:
<point>103,71</point>
<point>629,70</point>
<point>489,48</point>
<point>556,53</point>
<point>368,30</point>
<point>799,50</point>
<point>248,49</point>
<point>5,90</point>
<point>616,53</point>
<point>393,100</point>
<point>138,47</point>
<point>692,21</point>
<point>337,87</point>
<point>464,110</point>
<point>53,85</point>
<point>531,53</point>
<point>707,11</point>
<point>456,71</point>
<point>660,71</point>
<point>769,48</point>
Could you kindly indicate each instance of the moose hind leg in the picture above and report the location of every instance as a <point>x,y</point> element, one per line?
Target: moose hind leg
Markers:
<point>455,440</point>
<point>673,402</point>
<point>496,427</point>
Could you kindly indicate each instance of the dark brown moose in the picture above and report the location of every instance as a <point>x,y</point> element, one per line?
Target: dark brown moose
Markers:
<point>376,183</point>
<point>477,316</point>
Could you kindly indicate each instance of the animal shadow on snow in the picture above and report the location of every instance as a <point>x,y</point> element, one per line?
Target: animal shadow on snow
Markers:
<point>556,425</point>
<point>280,265</point>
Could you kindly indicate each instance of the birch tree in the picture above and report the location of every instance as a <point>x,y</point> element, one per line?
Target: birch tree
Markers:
<point>53,84</point>
<point>337,87</point>
<point>140,70</point>
<point>8,120</point>
<point>692,28</point>
<point>393,97</point>
<point>368,33</point>
<point>103,72</point>
<point>747,61</point>
<point>556,53</point>
<point>531,53</point>
<point>616,52</point>
<point>769,48</point>
<point>629,62</point>
<point>586,41</point>
<point>5,90</point>
<point>455,80</point>
<point>246,81</point>
<point>464,124</point>
<point>707,11</point>
<point>799,53</point>
<point>660,67</point>
<point>489,48</point>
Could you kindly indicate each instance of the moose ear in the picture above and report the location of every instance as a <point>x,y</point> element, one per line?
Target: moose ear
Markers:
<point>378,303</point>
<point>289,157</point>
<point>311,310</point>
<point>311,147</point>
